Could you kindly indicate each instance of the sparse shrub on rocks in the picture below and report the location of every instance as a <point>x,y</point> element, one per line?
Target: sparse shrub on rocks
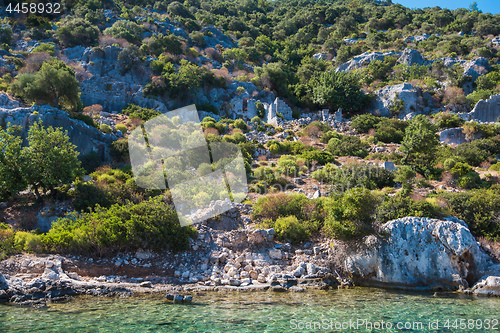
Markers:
<point>105,128</point>
<point>292,229</point>
<point>135,111</point>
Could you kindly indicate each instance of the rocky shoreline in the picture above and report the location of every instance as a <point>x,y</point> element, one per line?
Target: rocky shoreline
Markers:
<point>232,254</point>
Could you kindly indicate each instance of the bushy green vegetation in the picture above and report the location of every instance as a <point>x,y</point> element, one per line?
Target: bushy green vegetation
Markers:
<point>294,217</point>
<point>354,175</point>
<point>149,224</point>
<point>49,160</point>
<point>77,31</point>
<point>54,84</point>
<point>348,145</point>
<point>135,111</point>
<point>351,215</point>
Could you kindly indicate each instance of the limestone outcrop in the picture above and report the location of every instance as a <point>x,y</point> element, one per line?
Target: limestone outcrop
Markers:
<point>485,111</point>
<point>85,137</point>
<point>364,59</point>
<point>409,98</point>
<point>420,252</point>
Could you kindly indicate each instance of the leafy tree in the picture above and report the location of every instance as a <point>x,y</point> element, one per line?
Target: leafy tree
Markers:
<point>177,9</point>
<point>77,31</point>
<point>51,160</point>
<point>420,141</point>
<point>54,83</point>
<point>338,90</point>
<point>350,215</point>
<point>11,163</point>
<point>131,31</point>
<point>6,36</point>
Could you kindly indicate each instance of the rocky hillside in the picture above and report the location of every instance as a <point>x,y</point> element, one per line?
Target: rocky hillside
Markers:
<point>369,134</point>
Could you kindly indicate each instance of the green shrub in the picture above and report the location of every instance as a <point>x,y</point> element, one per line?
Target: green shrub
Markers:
<point>447,120</point>
<point>240,123</point>
<point>326,136</point>
<point>256,120</point>
<point>401,206</point>
<point>77,31</point>
<point>6,240</point>
<point>278,205</point>
<point>45,47</point>
<point>88,196</point>
<point>150,224</point>
<point>207,107</point>
<point>322,157</point>
<point>356,175</point>
<point>350,215</point>
<point>449,163</point>
<point>28,242</point>
<point>460,169</point>
<point>390,130</point>
<point>364,122</point>
<point>290,228</point>
<point>495,167</point>
<point>478,208</point>
<point>469,180</point>
<point>129,30</point>
<point>90,162</point>
<point>122,128</point>
<point>83,117</point>
<point>105,128</point>
<point>478,151</point>
<point>287,164</point>
<point>348,145</point>
<point>119,149</point>
<point>135,111</point>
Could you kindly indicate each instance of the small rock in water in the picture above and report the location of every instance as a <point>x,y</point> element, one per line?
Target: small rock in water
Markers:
<point>170,297</point>
<point>187,299</point>
<point>178,299</point>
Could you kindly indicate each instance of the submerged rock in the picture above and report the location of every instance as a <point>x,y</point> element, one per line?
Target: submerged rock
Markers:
<point>420,252</point>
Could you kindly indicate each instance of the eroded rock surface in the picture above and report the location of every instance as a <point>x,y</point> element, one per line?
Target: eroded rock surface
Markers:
<point>420,252</point>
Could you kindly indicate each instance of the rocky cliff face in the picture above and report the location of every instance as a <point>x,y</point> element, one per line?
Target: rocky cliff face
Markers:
<point>86,138</point>
<point>420,253</point>
<point>105,83</point>
<point>485,111</point>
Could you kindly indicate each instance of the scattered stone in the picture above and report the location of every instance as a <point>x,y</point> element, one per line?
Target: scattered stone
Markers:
<point>275,254</point>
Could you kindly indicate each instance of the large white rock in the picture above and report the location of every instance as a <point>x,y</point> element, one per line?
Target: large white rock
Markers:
<point>489,286</point>
<point>385,99</point>
<point>485,111</point>
<point>420,252</point>
<point>364,59</point>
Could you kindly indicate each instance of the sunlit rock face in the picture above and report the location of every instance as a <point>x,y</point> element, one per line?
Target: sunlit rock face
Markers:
<point>420,252</point>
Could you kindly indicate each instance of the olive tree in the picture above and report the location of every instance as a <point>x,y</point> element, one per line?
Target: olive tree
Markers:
<point>54,84</point>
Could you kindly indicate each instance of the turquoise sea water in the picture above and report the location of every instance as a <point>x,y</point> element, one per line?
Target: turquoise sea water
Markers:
<point>262,312</point>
